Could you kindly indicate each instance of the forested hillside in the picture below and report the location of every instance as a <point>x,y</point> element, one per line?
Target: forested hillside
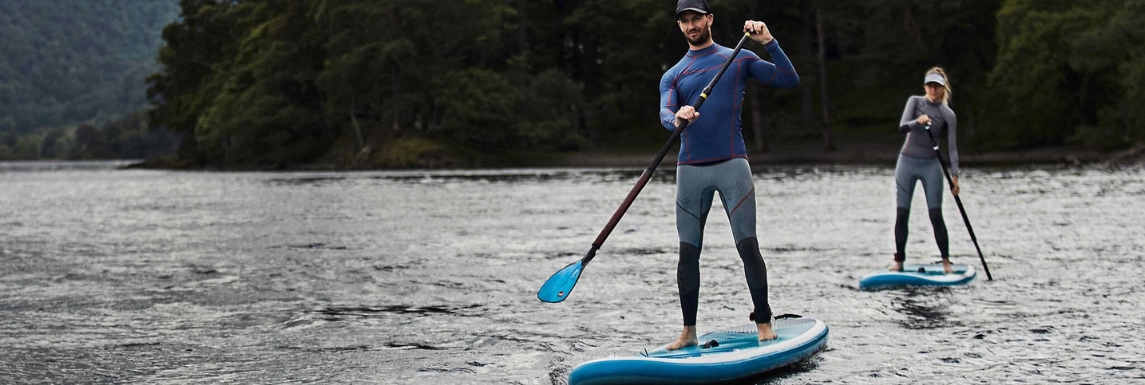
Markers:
<point>415,83</point>
<point>63,62</point>
<point>385,81</point>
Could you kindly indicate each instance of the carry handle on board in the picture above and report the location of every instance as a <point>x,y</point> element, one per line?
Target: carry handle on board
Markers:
<point>751,316</point>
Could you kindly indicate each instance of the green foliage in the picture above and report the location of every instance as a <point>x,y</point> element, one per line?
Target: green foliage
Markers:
<point>878,51</point>
<point>1123,41</point>
<point>130,137</point>
<point>15,147</point>
<point>276,82</point>
<point>1071,71</point>
<point>193,62</point>
<point>268,111</point>
<point>409,153</point>
<point>90,142</point>
<point>547,109</point>
<point>491,111</point>
<point>50,146</point>
<point>478,105</point>
<point>63,62</point>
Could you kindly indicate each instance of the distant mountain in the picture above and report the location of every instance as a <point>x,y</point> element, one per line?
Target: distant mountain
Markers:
<point>68,61</point>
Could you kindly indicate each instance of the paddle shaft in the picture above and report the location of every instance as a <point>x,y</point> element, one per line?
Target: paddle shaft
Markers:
<point>647,174</point>
<point>958,200</point>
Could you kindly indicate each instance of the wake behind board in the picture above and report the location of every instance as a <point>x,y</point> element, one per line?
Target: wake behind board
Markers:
<point>919,275</point>
<point>736,354</point>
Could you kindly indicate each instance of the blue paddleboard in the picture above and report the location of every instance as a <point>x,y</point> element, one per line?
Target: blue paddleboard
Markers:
<point>919,275</point>
<point>737,353</point>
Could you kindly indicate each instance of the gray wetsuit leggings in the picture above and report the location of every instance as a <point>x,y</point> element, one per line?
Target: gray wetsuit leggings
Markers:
<point>908,171</point>
<point>696,186</point>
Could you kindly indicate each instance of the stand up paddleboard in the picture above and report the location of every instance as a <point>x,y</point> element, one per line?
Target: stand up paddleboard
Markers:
<point>919,275</point>
<point>723,356</point>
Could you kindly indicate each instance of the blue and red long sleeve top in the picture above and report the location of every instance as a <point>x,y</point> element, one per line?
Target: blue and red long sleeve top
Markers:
<point>717,134</point>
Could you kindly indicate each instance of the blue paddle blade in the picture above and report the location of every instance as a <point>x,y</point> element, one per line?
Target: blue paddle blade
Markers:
<point>558,287</point>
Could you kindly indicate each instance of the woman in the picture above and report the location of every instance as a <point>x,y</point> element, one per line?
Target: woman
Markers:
<point>918,161</point>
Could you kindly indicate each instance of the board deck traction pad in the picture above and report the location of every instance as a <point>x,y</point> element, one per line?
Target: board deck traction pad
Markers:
<point>738,354</point>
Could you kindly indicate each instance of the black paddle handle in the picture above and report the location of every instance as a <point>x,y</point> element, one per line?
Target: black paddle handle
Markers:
<point>647,174</point>
<point>957,200</point>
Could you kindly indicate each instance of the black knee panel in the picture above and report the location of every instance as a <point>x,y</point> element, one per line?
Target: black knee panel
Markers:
<point>940,235</point>
<point>688,281</point>
<point>756,272</point>
<point>902,216</point>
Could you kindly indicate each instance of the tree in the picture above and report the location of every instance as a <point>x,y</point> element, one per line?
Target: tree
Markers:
<point>1081,61</point>
<point>268,110</point>
<point>50,145</point>
<point>192,60</point>
<point>90,143</point>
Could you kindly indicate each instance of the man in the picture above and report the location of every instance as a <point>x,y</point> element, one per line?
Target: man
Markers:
<point>713,155</point>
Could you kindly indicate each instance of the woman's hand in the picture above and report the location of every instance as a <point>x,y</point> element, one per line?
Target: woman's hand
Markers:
<point>923,120</point>
<point>954,189</point>
<point>686,113</point>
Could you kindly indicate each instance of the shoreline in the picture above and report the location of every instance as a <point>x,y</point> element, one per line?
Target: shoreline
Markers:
<point>853,154</point>
<point>876,155</point>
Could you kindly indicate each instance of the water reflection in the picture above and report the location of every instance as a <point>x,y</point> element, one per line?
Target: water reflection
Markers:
<point>924,307</point>
<point>304,181</point>
<point>513,176</point>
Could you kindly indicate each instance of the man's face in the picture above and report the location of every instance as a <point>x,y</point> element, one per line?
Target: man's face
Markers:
<point>696,27</point>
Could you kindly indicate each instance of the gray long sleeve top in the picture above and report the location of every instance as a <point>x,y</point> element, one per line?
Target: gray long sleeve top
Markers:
<point>943,120</point>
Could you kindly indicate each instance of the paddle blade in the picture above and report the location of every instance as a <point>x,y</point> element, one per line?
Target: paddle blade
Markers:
<point>558,287</point>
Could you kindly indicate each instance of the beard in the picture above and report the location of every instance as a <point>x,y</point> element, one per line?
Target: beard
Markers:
<point>704,36</point>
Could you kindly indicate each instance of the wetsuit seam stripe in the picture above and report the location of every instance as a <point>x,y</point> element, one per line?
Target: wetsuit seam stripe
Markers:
<point>735,109</point>
<point>686,211</point>
<point>744,199</point>
<point>694,161</point>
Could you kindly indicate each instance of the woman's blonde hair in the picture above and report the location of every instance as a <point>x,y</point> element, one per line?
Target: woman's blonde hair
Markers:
<point>947,94</point>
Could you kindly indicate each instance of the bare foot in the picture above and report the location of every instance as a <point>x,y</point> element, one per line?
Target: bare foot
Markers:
<point>895,266</point>
<point>687,338</point>
<point>765,332</point>
<point>947,267</point>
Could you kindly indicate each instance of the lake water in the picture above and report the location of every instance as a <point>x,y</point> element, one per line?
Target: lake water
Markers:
<point>430,277</point>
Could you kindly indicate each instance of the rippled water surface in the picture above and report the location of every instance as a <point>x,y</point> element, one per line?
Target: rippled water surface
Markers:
<point>430,277</point>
